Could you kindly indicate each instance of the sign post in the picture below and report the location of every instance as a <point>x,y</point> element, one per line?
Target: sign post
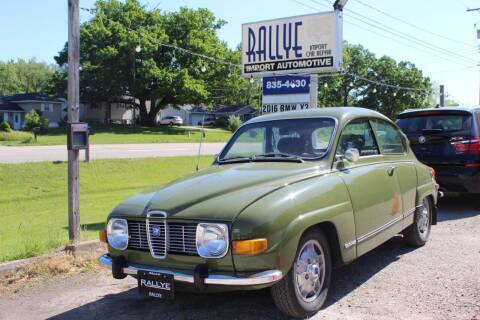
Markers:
<point>73,117</point>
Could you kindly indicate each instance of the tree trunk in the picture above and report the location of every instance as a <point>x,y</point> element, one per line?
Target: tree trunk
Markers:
<point>143,112</point>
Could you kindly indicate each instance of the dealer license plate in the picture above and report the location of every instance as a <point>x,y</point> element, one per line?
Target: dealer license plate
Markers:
<point>155,285</point>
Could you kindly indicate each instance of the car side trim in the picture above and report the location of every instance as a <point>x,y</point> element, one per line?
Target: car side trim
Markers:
<point>374,232</point>
<point>265,277</point>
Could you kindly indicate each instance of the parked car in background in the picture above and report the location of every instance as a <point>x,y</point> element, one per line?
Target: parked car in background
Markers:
<point>210,121</point>
<point>290,196</point>
<point>448,140</point>
<point>172,121</point>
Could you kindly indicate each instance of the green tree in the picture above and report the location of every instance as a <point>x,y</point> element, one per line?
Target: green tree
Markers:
<point>24,76</point>
<point>33,119</point>
<point>112,67</point>
<point>351,89</point>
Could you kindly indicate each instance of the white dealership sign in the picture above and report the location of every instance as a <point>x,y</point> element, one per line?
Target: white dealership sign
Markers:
<point>302,44</point>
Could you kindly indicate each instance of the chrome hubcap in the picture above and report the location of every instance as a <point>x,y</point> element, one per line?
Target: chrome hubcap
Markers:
<point>423,219</point>
<point>309,271</point>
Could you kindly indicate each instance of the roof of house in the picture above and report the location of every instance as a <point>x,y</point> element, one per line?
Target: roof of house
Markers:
<point>30,97</point>
<point>230,109</point>
<point>10,107</point>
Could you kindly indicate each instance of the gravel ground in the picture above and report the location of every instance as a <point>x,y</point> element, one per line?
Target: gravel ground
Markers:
<point>438,281</point>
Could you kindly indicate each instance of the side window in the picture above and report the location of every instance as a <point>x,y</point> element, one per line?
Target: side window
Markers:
<point>358,135</point>
<point>389,137</point>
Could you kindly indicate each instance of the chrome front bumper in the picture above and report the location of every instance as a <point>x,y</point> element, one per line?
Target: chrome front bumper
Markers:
<point>265,277</point>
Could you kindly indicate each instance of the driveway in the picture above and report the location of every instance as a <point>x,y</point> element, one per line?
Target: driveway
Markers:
<point>437,281</point>
<point>106,151</point>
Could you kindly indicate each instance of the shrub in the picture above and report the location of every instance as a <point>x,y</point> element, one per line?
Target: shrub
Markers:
<point>5,126</point>
<point>16,136</point>
<point>221,122</point>
<point>33,119</point>
<point>233,123</point>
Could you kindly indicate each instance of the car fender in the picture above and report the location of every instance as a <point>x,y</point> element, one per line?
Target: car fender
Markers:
<point>284,215</point>
<point>426,187</point>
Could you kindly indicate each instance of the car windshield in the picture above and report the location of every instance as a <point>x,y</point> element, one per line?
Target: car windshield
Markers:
<point>280,140</point>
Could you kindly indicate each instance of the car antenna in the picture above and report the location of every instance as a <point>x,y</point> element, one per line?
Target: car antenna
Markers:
<point>202,135</point>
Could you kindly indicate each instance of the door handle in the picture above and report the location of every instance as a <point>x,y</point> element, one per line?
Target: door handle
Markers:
<point>391,171</point>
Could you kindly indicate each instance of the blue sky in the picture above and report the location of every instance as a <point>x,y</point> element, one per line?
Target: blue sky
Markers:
<point>34,28</point>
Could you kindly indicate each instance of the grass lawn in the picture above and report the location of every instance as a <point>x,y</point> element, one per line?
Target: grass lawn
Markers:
<point>33,198</point>
<point>116,133</point>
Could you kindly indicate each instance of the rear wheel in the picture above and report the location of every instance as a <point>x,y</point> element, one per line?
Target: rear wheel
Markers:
<point>302,292</point>
<point>417,234</point>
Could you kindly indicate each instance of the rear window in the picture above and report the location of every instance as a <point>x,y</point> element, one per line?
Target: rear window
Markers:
<point>445,123</point>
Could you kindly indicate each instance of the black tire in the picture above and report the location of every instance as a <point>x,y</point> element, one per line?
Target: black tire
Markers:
<point>417,234</point>
<point>285,293</point>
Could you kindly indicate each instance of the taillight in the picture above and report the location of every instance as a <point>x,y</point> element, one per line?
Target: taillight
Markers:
<point>432,172</point>
<point>471,146</point>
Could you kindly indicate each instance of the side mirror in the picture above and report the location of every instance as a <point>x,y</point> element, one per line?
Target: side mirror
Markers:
<point>352,155</point>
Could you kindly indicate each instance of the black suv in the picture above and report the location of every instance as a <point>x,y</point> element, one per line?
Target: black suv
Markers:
<point>448,140</point>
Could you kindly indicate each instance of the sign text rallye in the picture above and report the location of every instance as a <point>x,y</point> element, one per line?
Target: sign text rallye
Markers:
<point>302,44</point>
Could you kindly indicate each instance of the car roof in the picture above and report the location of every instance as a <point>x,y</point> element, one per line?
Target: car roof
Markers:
<point>469,109</point>
<point>342,114</point>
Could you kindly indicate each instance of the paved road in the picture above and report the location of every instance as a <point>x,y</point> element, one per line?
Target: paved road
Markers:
<point>106,151</point>
<point>437,281</point>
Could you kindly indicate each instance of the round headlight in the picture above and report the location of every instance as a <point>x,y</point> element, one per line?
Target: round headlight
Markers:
<point>117,233</point>
<point>212,240</point>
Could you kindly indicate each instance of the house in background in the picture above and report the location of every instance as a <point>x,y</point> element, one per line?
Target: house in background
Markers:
<point>12,113</point>
<point>244,112</point>
<point>194,115</point>
<point>118,110</point>
<point>49,107</point>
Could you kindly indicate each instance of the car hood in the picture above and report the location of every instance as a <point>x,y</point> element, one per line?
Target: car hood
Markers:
<point>219,192</point>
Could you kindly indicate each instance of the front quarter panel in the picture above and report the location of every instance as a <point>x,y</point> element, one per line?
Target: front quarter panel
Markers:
<point>285,214</point>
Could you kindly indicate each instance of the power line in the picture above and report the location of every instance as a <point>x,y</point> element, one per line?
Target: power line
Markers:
<point>231,65</point>
<point>406,36</point>
<point>412,25</point>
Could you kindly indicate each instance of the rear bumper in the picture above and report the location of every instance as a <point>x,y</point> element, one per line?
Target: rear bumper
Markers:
<point>459,179</point>
<point>262,278</point>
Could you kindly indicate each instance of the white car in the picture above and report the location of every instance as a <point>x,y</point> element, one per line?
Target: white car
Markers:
<point>172,121</point>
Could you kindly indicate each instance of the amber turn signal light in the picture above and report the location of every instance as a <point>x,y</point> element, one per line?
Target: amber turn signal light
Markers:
<point>102,235</point>
<point>249,247</point>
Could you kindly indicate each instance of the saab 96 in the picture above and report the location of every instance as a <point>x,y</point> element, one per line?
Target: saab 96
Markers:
<point>290,197</point>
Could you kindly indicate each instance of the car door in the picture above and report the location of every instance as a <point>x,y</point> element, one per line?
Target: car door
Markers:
<point>373,188</point>
<point>393,146</point>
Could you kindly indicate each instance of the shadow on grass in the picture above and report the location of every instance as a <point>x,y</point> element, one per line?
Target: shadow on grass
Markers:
<point>90,226</point>
<point>235,305</point>
<point>127,129</point>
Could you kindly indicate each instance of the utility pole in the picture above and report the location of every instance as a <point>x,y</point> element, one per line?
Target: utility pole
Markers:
<point>73,116</point>
<point>442,95</point>
<point>478,38</point>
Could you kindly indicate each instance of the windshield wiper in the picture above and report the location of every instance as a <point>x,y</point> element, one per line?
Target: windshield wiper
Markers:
<point>263,157</point>
<point>278,156</point>
<point>235,159</point>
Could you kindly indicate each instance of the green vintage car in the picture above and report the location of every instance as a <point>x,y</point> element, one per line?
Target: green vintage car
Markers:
<point>291,196</point>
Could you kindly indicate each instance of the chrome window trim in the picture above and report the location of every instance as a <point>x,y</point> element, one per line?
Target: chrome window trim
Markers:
<point>155,214</point>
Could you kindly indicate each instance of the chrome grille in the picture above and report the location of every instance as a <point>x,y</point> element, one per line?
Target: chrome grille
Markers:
<point>137,235</point>
<point>181,237</point>
<point>157,239</point>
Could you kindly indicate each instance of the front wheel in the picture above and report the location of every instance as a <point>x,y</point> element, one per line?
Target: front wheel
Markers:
<point>417,234</point>
<point>302,292</point>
